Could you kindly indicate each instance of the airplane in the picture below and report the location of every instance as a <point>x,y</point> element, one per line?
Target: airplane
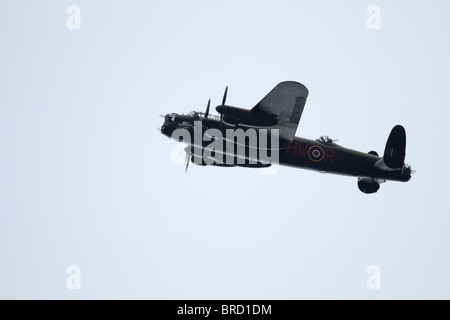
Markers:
<point>277,115</point>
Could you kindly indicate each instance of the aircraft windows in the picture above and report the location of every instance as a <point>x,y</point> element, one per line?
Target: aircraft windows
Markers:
<point>194,114</point>
<point>170,117</point>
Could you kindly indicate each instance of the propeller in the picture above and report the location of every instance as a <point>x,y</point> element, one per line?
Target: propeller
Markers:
<point>225,96</point>
<point>223,102</point>
<point>207,109</point>
<point>188,156</point>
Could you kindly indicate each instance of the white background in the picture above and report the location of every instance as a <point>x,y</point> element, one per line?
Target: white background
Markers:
<point>86,178</point>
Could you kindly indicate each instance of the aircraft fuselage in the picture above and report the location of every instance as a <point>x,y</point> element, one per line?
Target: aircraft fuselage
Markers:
<point>332,158</point>
<point>317,155</point>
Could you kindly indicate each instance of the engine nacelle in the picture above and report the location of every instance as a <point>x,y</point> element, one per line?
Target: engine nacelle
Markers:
<point>250,118</point>
<point>368,185</point>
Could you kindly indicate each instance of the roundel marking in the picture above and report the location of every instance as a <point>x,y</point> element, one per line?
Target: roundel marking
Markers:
<point>316,153</point>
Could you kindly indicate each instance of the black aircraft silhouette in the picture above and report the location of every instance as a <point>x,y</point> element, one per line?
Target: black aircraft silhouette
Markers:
<point>277,116</point>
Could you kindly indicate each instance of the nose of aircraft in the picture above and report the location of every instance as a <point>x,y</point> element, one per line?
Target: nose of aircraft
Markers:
<point>168,127</point>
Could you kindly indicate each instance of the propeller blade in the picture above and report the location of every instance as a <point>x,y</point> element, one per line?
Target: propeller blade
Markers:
<point>225,96</point>
<point>207,109</point>
<point>188,155</point>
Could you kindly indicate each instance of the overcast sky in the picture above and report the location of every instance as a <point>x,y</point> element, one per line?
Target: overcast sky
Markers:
<point>87,180</point>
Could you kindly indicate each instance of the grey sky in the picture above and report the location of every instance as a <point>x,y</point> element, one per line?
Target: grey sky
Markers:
<point>87,180</point>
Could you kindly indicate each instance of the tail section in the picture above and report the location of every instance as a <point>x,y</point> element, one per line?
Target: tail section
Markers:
<point>394,153</point>
<point>392,162</point>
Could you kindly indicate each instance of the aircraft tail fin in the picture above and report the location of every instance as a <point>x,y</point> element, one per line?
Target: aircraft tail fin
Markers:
<point>394,153</point>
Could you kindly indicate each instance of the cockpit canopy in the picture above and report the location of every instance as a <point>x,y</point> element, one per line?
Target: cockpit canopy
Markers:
<point>170,117</point>
<point>194,114</point>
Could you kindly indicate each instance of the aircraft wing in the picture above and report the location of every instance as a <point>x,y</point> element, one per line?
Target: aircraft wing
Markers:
<point>285,102</point>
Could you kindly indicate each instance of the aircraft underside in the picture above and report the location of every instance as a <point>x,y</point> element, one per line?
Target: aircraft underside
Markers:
<point>264,136</point>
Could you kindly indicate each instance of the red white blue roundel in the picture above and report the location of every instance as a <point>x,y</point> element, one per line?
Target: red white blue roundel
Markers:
<point>316,153</point>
